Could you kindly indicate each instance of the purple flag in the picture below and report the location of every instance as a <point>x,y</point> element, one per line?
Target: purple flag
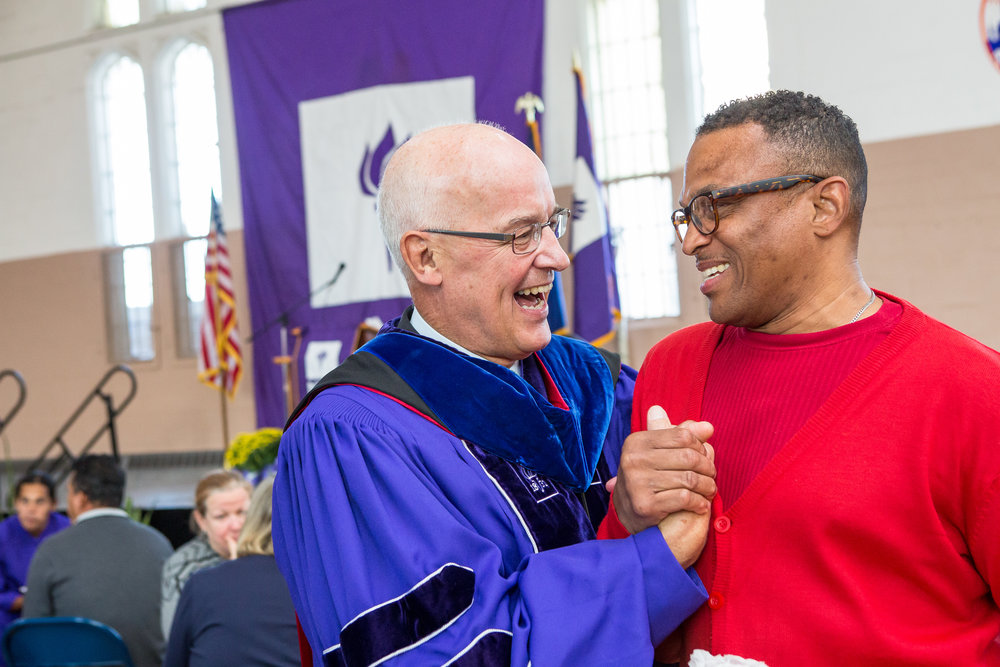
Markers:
<point>323,93</point>
<point>595,287</point>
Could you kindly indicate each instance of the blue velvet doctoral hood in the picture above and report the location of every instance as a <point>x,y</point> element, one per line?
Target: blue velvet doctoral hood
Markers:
<point>495,408</point>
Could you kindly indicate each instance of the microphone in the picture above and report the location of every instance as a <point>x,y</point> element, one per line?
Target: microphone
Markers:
<point>283,317</point>
<point>340,269</point>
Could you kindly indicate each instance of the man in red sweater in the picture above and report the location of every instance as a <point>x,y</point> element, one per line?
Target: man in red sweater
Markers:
<point>857,440</point>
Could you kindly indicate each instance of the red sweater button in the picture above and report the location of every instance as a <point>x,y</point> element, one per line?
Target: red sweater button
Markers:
<point>723,524</point>
<point>716,600</point>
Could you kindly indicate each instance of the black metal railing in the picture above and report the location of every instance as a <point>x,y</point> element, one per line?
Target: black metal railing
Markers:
<point>22,392</point>
<point>59,466</point>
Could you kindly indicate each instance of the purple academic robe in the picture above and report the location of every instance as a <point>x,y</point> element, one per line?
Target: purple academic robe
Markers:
<point>17,546</point>
<point>405,544</point>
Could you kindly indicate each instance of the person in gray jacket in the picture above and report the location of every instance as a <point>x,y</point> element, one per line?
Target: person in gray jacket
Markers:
<point>105,566</point>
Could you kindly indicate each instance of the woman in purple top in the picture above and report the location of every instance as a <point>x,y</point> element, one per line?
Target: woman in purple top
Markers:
<point>35,520</point>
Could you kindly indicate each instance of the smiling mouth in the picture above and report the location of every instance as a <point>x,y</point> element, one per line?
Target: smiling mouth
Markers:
<point>714,270</point>
<point>533,298</point>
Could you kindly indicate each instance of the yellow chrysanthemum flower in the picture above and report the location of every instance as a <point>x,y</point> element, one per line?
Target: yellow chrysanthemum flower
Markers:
<point>252,452</point>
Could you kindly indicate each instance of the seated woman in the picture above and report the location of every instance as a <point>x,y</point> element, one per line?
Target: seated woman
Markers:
<point>220,507</point>
<point>239,613</point>
<point>20,535</point>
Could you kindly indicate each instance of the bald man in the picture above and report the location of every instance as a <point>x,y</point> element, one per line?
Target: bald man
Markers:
<point>437,494</point>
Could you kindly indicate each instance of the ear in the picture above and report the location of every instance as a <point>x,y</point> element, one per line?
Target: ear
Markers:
<point>200,520</point>
<point>421,257</point>
<point>831,200</point>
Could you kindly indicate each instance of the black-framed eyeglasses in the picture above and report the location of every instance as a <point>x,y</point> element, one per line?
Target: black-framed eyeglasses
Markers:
<point>702,213</point>
<point>522,240</point>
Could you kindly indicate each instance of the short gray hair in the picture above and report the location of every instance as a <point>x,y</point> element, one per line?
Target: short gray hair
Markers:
<point>406,196</point>
<point>397,212</point>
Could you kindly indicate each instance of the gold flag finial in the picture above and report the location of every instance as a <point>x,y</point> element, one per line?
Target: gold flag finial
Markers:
<point>529,104</point>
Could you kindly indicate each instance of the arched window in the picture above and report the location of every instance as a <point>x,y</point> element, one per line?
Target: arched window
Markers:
<point>192,127</point>
<point>124,148</point>
<point>126,205</point>
<point>194,134</point>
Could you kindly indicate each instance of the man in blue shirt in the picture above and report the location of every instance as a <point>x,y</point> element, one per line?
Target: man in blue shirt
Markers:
<point>20,535</point>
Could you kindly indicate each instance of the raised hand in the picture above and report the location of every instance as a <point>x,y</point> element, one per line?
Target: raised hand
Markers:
<point>684,531</point>
<point>663,470</point>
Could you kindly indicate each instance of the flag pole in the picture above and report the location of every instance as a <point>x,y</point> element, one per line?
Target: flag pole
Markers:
<point>588,194</point>
<point>219,363</point>
<point>530,104</point>
<point>220,351</point>
<point>225,420</point>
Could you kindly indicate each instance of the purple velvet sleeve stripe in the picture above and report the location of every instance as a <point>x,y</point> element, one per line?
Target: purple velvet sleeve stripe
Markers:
<point>672,593</point>
<point>334,657</point>
<point>411,619</point>
<point>491,649</point>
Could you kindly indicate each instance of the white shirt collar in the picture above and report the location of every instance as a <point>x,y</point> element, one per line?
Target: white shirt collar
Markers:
<point>101,511</point>
<point>421,326</point>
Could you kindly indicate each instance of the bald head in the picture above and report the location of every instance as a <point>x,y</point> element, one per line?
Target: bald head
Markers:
<point>442,174</point>
<point>471,287</point>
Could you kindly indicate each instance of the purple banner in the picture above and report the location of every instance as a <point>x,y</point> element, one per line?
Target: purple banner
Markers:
<point>595,286</point>
<point>323,92</point>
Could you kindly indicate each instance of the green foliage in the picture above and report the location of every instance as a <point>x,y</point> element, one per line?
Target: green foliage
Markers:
<point>137,514</point>
<point>252,452</point>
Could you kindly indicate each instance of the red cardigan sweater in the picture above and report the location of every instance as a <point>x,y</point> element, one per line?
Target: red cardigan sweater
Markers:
<point>873,536</point>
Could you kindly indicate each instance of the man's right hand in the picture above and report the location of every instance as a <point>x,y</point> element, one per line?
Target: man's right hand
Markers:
<point>664,470</point>
<point>684,531</point>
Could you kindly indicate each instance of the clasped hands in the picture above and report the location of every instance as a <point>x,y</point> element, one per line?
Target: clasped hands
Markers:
<point>666,478</point>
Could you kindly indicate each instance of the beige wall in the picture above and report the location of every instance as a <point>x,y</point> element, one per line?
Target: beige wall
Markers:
<point>54,335</point>
<point>931,233</point>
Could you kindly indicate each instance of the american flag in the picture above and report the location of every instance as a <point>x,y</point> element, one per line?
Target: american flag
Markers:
<point>220,363</point>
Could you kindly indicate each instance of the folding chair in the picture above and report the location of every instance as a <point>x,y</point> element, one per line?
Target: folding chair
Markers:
<point>63,641</point>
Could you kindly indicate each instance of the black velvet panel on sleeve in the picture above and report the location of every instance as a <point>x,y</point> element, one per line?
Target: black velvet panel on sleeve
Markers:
<point>406,621</point>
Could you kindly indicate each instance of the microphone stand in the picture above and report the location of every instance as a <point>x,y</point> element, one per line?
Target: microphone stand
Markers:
<point>285,359</point>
